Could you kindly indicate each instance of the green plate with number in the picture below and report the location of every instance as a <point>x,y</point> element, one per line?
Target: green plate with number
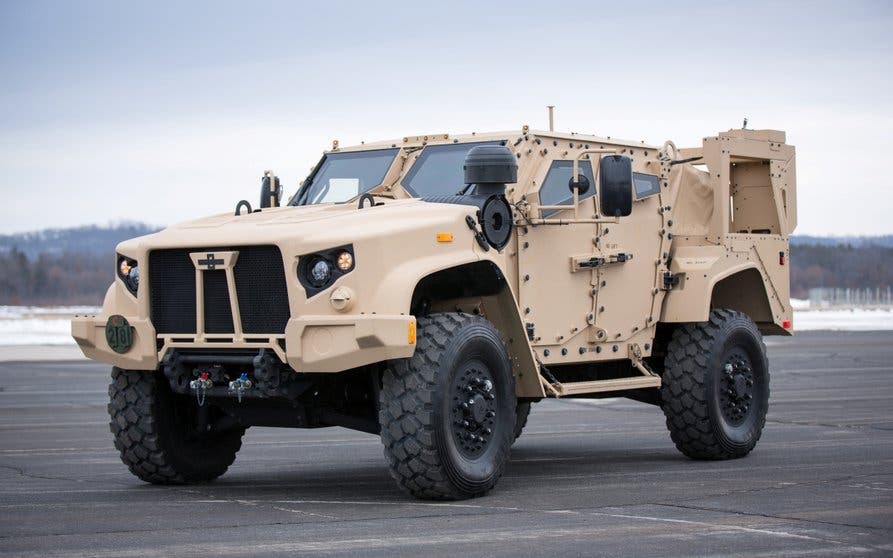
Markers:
<point>119,334</point>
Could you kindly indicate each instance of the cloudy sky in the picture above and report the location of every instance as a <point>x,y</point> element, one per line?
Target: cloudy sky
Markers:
<point>162,111</point>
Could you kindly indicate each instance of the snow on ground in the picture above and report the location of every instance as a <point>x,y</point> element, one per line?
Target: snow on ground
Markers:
<point>28,325</point>
<point>840,319</point>
<point>856,319</point>
<point>14,312</point>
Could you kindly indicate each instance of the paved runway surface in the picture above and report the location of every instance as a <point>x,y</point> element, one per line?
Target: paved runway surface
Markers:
<point>585,478</point>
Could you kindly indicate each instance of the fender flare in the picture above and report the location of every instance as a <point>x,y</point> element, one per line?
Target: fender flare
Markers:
<point>501,309</point>
<point>689,304</point>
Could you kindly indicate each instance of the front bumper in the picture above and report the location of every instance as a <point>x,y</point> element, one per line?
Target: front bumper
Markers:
<point>310,343</point>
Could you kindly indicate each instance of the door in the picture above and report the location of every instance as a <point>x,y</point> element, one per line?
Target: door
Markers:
<point>557,302</point>
<point>629,293</point>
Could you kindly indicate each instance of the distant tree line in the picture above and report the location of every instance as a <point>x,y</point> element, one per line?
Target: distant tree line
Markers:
<point>885,241</point>
<point>71,266</point>
<point>93,239</point>
<point>842,266</point>
<point>66,279</point>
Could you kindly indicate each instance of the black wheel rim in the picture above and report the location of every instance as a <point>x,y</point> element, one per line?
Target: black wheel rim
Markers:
<point>473,409</point>
<point>736,388</point>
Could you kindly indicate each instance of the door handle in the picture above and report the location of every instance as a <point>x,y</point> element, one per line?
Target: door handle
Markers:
<point>582,263</point>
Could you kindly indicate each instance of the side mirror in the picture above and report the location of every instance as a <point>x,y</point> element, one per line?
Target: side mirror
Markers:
<point>270,191</point>
<point>615,183</point>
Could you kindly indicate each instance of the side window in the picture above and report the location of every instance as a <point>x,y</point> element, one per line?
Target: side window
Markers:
<point>646,185</point>
<point>554,190</point>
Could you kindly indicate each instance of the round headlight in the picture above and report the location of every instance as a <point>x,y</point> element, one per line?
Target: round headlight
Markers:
<point>345,261</point>
<point>133,278</point>
<point>320,273</point>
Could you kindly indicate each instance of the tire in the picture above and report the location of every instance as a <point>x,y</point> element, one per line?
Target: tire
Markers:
<point>522,412</point>
<point>715,387</point>
<point>428,436</point>
<point>156,435</point>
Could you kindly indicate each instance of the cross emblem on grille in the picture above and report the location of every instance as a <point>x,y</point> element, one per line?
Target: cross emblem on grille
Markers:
<point>211,262</point>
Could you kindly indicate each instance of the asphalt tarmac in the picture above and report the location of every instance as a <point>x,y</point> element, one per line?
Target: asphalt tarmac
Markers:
<point>585,479</point>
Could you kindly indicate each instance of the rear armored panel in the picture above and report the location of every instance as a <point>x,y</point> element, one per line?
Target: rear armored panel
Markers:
<point>736,205</point>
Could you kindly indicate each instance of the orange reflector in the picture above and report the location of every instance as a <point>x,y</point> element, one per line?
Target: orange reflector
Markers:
<point>444,237</point>
<point>412,333</point>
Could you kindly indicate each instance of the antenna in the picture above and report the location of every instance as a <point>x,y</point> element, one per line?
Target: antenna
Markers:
<point>551,117</point>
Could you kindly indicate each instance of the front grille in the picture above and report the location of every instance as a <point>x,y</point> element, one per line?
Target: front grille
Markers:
<point>172,291</point>
<point>218,312</point>
<point>260,289</point>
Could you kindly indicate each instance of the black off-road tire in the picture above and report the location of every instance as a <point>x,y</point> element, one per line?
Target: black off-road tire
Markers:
<point>423,440</point>
<point>707,415</point>
<point>522,413</point>
<point>151,426</point>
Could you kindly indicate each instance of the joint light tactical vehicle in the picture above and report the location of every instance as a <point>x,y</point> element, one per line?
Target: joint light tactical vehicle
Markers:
<point>430,289</point>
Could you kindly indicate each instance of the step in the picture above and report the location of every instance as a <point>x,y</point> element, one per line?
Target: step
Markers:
<point>617,384</point>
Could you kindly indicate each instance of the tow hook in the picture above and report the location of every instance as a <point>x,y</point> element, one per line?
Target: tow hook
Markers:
<point>240,386</point>
<point>200,386</point>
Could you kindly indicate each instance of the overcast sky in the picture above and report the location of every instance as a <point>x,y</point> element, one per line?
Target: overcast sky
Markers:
<point>164,111</point>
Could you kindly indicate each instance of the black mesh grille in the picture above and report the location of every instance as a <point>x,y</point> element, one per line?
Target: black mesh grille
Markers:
<point>172,291</point>
<point>260,287</point>
<point>218,312</point>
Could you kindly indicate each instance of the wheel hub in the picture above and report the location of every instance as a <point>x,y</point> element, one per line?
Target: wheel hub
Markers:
<point>740,385</point>
<point>736,389</point>
<point>477,408</point>
<point>473,410</point>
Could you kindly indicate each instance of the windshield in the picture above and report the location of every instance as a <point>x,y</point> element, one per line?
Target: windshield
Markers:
<point>439,170</point>
<point>342,176</point>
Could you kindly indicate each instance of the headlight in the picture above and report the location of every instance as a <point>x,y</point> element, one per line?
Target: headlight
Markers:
<point>133,280</point>
<point>319,271</point>
<point>129,272</point>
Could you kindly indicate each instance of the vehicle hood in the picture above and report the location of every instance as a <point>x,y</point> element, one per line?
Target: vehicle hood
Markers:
<point>315,226</point>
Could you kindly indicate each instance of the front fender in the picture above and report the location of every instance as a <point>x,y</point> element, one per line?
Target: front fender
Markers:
<point>390,262</point>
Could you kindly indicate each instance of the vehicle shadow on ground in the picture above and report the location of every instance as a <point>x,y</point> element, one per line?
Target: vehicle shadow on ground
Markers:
<point>532,461</point>
<point>305,480</point>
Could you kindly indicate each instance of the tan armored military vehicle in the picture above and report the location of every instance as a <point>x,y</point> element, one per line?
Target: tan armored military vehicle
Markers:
<point>431,288</point>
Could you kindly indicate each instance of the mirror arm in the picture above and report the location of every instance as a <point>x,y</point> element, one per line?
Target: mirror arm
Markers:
<point>587,152</point>
<point>576,202</point>
<point>549,221</point>
<point>594,176</point>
